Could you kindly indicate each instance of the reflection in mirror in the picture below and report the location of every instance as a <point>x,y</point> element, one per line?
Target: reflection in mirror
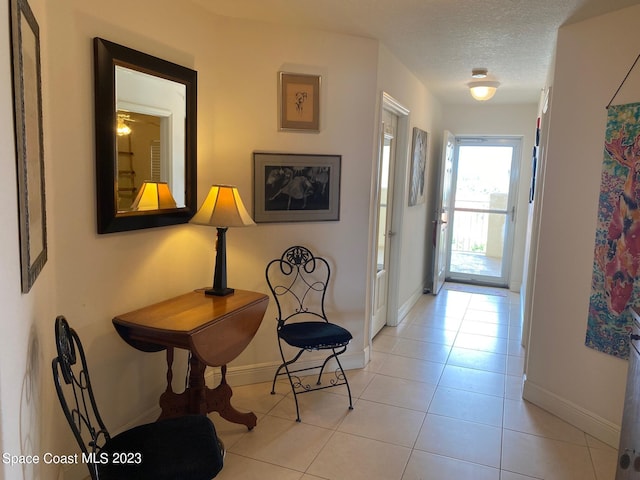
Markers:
<point>138,154</point>
<point>145,132</point>
<point>153,110</point>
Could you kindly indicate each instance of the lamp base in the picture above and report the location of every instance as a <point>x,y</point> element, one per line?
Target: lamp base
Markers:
<point>219,292</point>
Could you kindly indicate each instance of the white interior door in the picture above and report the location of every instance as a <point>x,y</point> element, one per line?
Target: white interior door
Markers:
<point>384,215</point>
<point>441,222</point>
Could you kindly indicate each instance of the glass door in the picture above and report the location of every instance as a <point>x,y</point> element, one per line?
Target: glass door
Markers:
<point>485,181</point>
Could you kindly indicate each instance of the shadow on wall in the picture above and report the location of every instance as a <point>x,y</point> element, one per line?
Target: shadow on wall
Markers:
<point>29,406</point>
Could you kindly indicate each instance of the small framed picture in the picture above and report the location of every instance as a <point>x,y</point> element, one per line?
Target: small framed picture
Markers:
<point>299,102</point>
<point>418,166</point>
<point>296,187</point>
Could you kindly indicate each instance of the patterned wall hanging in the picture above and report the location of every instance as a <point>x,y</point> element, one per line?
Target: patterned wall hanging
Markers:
<point>615,285</point>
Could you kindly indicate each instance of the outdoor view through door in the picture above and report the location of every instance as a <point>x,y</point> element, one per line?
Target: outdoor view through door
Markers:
<point>483,210</point>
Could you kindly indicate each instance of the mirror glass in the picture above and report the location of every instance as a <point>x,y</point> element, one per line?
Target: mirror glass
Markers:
<point>151,114</point>
<point>145,132</point>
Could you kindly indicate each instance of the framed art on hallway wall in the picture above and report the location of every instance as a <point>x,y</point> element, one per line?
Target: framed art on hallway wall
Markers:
<point>296,187</point>
<point>27,99</point>
<point>299,98</point>
<point>418,166</point>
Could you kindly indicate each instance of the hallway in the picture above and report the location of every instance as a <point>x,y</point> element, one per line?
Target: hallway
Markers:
<point>440,400</point>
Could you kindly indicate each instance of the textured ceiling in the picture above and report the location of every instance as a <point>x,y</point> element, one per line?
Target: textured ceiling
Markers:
<point>442,40</point>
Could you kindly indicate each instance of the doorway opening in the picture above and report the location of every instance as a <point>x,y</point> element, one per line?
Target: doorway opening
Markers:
<point>483,199</point>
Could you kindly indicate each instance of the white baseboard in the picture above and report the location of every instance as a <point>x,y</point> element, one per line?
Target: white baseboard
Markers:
<point>577,416</point>
<point>258,373</point>
<point>409,303</point>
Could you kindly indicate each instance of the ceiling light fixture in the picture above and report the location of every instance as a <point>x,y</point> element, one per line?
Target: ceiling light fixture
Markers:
<point>122,128</point>
<point>480,88</point>
<point>479,73</point>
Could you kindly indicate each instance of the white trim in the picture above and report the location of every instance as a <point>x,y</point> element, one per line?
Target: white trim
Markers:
<point>577,416</point>
<point>387,102</point>
<point>409,304</point>
<point>393,105</point>
<point>263,372</point>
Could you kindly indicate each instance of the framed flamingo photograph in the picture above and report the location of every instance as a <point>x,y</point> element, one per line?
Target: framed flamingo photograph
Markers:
<point>296,187</point>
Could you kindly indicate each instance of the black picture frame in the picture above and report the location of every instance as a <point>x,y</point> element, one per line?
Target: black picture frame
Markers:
<point>29,143</point>
<point>292,187</point>
<point>108,55</point>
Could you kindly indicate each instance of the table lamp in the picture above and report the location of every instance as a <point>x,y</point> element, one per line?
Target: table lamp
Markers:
<point>153,196</point>
<point>223,208</point>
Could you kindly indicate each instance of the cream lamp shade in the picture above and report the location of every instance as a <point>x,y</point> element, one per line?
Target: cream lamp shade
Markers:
<point>222,208</point>
<point>153,196</point>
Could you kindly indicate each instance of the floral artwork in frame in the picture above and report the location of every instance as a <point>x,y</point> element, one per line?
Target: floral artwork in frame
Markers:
<point>299,102</point>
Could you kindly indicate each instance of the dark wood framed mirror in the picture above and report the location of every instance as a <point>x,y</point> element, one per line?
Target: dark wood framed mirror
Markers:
<point>146,134</point>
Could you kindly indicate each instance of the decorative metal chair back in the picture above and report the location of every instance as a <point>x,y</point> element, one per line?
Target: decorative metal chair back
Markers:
<point>78,402</point>
<point>299,281</point>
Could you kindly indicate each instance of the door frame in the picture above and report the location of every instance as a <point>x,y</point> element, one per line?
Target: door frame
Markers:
<point>387,102</point>
<point>389,140</point>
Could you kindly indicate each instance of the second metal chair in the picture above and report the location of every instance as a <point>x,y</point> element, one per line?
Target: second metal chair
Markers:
<point>298,281</point>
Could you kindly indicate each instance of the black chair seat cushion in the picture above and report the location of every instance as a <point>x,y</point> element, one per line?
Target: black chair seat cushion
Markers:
<point>314,335</point>
<point>182,448</point>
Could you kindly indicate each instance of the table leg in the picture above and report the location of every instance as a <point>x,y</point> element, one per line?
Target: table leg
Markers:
<point>171,403</point>
<point>198,398</point>
<point>219,400</point>
<point>197,388</point>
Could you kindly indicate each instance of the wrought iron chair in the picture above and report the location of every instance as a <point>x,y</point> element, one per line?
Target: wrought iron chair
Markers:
<point>173,449</point>
<point>298,281</point>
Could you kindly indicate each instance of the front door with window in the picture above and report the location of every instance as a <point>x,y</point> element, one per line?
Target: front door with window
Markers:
<point>484,195</point>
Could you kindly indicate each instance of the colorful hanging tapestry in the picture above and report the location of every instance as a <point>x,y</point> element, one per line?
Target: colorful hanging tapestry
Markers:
<point>615,285</point>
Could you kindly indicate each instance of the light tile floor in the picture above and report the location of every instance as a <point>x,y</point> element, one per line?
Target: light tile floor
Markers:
<point>440,400</point>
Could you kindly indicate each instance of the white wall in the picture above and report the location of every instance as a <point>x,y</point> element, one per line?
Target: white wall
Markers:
<point>415,221</point>
<point>563,375</point>
<point>22,365</point>
<point>503,120</point>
